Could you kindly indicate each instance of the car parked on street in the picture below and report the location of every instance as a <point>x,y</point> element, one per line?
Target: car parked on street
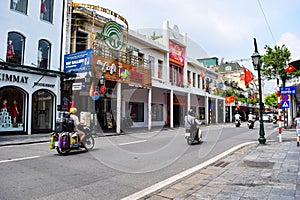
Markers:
<point>267,118</point>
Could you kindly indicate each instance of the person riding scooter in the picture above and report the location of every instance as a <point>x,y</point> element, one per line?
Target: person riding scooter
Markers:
<point>251,120</point>
<point>80,133</point>
<point>191,125</point>
<point>237,117</point>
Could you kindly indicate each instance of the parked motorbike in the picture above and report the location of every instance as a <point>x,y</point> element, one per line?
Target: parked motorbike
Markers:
<point>237,122</point>
<point>250,124</point>
<point>193,136</point>
<point>65,140</point>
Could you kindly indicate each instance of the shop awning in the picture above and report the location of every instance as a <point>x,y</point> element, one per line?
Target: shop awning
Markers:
<point>34,70</point>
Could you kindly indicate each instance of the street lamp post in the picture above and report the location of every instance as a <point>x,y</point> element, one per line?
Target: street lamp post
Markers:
<point>257,65</point>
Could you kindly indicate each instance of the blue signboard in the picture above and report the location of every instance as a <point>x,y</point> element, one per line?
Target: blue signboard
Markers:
<point>288,90</point>
<point>285,104</point>
<point>78,62</point>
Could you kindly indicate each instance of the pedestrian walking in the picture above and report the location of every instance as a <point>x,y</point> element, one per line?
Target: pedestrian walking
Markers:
<point>297,125</point>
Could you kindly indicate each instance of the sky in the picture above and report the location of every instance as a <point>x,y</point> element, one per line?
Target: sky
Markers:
<point>223,28</point>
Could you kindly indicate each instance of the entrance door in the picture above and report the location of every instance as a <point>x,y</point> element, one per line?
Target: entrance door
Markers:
<point>42,111</point>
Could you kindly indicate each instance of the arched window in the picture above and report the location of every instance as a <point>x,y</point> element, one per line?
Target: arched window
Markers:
<point>15,48</point>
<point>44,52</point>
<point>19,5</point>
<point>46,11</point>
<point>13,112</point>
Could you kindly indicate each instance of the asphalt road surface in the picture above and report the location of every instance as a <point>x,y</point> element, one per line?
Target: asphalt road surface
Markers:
<point>117,167</point>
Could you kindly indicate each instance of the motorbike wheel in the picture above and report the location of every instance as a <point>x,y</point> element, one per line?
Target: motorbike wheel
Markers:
<point>189,140</point>
<point>62,151</point>
<point>89,142</point>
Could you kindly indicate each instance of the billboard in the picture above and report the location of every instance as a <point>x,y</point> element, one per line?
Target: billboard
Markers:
<point>78,62</point>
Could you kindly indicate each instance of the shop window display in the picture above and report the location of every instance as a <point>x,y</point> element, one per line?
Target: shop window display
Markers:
<point>12,110</point>
<point>136,111</point>
<point>157,112</point>
<point>44,54</point>
<point>46,12</point>
<point>15,48</point>
<point>19,5</point>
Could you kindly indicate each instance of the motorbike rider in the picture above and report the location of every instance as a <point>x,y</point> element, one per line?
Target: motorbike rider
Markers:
<point>251,117</point>
<point>75,119</point>
<point>191,121</point>
<point>237,116</point>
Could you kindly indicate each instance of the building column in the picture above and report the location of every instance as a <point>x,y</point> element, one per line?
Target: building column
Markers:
<point>119,100</point>
<point>206,110</point>
<point>149,109</point>
<point>171,108</point>
<point>189,101</point>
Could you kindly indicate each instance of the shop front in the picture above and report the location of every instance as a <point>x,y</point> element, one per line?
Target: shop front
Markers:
<point>28,100</point>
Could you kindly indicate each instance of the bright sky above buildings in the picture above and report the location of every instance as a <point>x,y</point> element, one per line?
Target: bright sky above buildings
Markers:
<point>224,29</point>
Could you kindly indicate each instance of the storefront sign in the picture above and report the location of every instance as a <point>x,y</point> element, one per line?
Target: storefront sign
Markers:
<point>13,78</point>
<point>176,54</point>
<point>113,36</point>
<point>44,84</point>
<point>78,62</point>
<point>126,73</point>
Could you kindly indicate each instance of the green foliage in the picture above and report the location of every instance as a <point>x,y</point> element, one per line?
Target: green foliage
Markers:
<point>271,100</point>
<point>252,101</point>
<point>274,63</point>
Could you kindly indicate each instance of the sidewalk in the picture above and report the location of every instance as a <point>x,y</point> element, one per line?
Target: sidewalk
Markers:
<point>269,171</point>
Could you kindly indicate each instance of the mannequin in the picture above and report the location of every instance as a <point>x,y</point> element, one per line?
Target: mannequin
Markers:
<point>14,4</point>
<point>4,103</point>
<point>40,57</point>
<point>10,50</point>
<point>14,111</point>
<point>43,8</point>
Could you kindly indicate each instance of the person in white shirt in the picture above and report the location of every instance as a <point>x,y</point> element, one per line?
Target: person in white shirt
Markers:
<point>251,117</point>
<point>75,119</point>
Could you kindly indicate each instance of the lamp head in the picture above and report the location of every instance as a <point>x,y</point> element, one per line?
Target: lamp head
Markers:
<point>255,60</point>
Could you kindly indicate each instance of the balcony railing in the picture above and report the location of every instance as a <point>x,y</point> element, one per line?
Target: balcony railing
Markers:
<point>121,56</point>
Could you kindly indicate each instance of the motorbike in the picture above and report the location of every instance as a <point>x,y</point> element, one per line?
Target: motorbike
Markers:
<point>193,136</point>
<point>250,124</point>
<point>237,122</point>
<point>65,140</point>
<point>275,120</point>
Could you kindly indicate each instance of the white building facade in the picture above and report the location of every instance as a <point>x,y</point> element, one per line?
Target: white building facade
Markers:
<point>30,67</point>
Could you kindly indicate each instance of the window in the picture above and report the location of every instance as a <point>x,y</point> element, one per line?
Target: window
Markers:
<point>199,81</point>
<point>152,61</point>
<point>136,111</point>
<point>194,79</point>
<point>189,79</point>
<point>12,109</point>
<point>15,48</point>
<point>46,12</point>
<point>160,69</point>
<point>157,112</point>
<point>19,5</point>
<point>44,54</point>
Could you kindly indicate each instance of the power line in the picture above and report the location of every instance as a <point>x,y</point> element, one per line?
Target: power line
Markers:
<point>266,21</point>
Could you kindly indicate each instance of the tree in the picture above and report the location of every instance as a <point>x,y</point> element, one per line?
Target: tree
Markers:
<point>274,63</point>
<point>271,100</point>
<point>155,37</point>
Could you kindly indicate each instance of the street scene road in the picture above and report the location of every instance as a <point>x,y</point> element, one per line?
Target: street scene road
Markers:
<point>117,167</point>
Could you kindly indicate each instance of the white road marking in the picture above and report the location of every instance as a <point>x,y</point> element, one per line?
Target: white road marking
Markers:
<point>19,145</point>
<point>134,142</point>
<point>164,183</point>
<point>18,159</point>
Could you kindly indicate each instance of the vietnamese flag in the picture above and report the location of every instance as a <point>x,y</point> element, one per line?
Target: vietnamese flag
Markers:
<point>290,69</point>
<point>248,77</point>
<point>231,99</point>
